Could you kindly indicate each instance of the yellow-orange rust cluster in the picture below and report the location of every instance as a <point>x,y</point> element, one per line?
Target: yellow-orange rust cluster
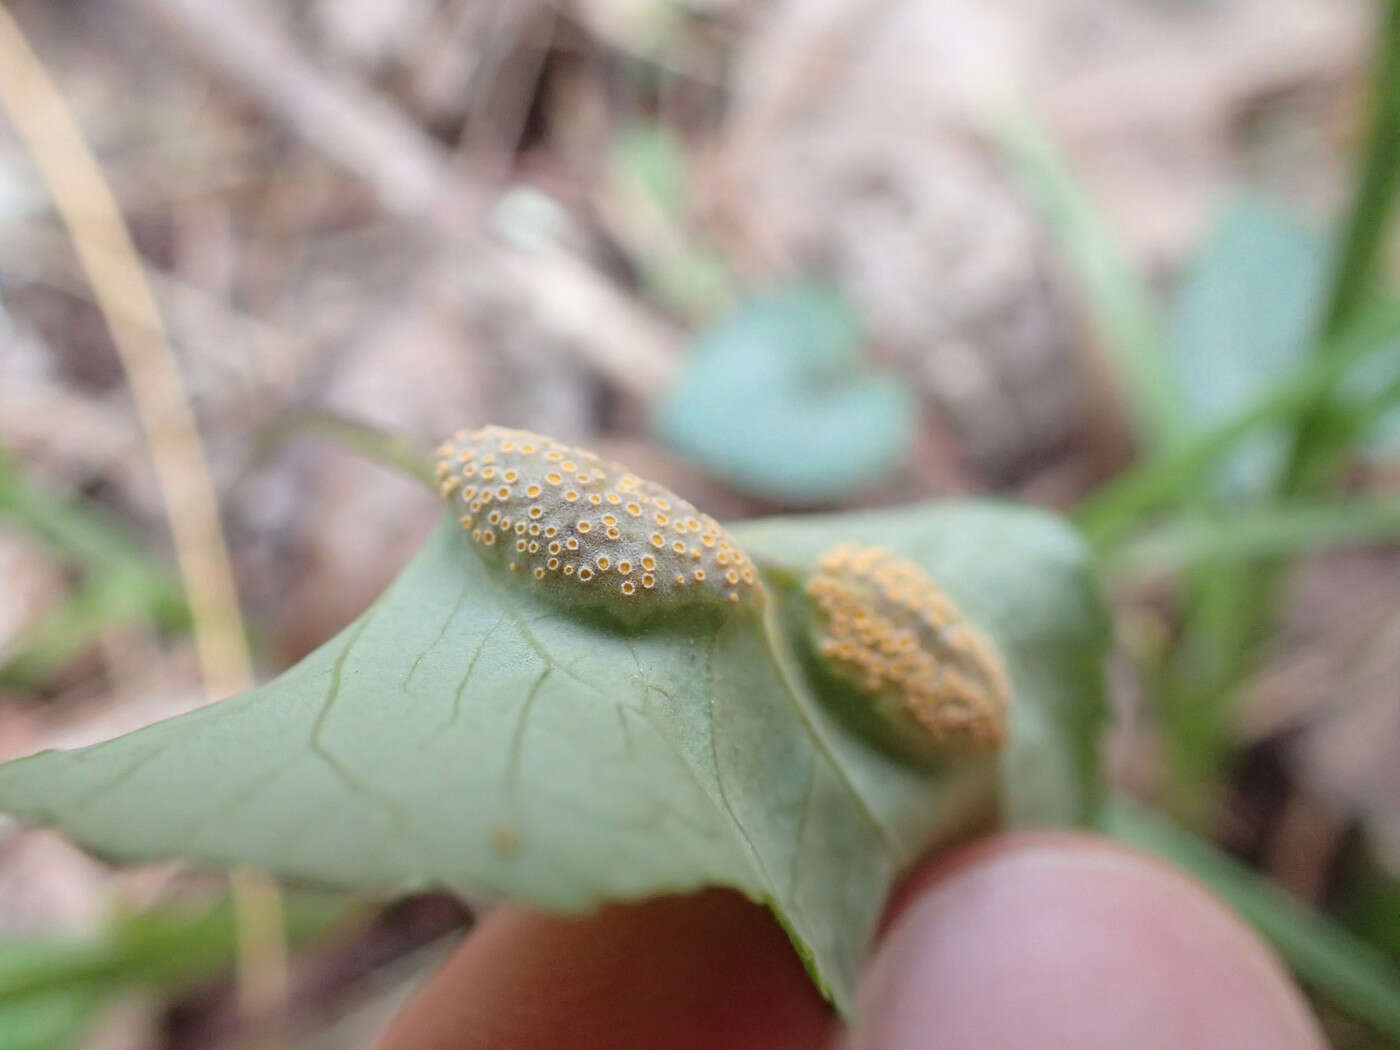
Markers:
<point>888,629</point>
<point>584,528</point>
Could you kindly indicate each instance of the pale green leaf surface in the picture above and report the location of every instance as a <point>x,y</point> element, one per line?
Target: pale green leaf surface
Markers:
<point>466,733</point>
<point>1023,577</point>
<point>776,400</point>
<point>1241,316</point>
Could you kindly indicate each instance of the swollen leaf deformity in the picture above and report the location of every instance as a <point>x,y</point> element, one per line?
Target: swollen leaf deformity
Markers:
<point>886,629</point>
<point>590,532</point>
<point>467,736</point>
<point>586,530</point>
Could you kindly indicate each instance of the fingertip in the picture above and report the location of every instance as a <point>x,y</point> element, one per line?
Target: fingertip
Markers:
<point>675,973</point>
<point>1067,940</point>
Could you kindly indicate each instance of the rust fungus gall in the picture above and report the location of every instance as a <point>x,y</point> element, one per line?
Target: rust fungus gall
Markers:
<point>887,629</point>
<point>584,543</point>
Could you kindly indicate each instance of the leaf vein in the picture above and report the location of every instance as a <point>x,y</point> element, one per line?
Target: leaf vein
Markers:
<point>467,676</point>
<point>780,658</point>
<point>755,856</point>
<point>794,869</point>
<point>517,739</point>
<point>442,633</point>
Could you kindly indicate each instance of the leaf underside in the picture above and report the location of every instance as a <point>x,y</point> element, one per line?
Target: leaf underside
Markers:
<point>467,733</point>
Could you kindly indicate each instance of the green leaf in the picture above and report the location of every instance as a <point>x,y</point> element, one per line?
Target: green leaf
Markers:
<point>48,1021</point>
<point>776,401</point>
<point>469,733</point>
<point>1241,317</point>
<point>1038,603</point>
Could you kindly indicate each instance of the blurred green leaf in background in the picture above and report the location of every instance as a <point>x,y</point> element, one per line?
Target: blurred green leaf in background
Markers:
<point>1241,316</point>
<point>119,583</point>
<point>776,400</point>
<point>51,987</point>
<point>646,199</point>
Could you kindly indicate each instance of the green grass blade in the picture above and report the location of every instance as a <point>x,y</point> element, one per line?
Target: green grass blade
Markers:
<point>97,606</point>
<point>1364,235</point>
<point>121,581</point>
<point>50,1021</point>
<point>1257,534</point>
<point>1363,239</point>
<point>84,534</point>
<point>1118,302</point>
<point>397,452</point>
<point>1344,969</point>
<point>1174,474</point>
<point>162,948</point>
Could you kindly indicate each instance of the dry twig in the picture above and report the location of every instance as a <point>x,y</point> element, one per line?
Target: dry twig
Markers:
<point>114,269</point>
<point>368,137</point>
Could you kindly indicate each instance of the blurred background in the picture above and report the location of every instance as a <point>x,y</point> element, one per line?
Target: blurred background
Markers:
<point>1126,259</point>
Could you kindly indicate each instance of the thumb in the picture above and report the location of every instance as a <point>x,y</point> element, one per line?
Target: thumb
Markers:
<point>1060,940</point>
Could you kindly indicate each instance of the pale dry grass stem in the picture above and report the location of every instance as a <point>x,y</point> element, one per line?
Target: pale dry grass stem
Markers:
<point>109,258</point>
